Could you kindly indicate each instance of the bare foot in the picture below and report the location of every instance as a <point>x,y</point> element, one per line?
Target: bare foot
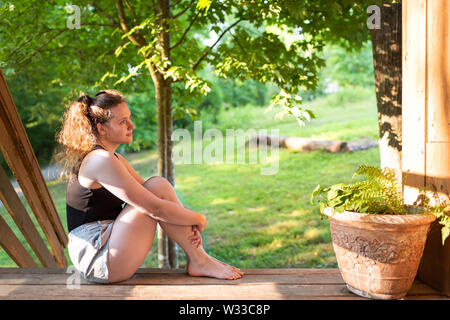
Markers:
<point>221,262</point>
<point>227,265</point>
<point>211,267</point>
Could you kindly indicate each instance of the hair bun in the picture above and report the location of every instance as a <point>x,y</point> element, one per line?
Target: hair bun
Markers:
<point>85,99</point>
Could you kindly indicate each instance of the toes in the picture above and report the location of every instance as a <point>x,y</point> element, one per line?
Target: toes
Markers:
<point>236,276</point>
<point>237,270</point>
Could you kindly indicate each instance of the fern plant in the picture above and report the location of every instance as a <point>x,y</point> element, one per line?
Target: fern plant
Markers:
<point>378,193</point>
<point>441,210</point>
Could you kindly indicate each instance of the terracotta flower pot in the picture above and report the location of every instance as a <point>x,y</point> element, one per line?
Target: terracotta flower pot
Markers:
<point>378,255</point>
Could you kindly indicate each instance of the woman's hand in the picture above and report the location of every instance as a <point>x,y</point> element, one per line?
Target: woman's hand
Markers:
<point>197,229</point>
<point>202,224</point>
<point>202,221</point>
<point>195,237</point>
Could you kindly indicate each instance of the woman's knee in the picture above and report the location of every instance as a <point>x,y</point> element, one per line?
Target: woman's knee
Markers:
<point>160,186</point>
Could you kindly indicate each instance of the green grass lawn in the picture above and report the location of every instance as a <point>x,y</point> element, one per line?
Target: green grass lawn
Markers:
<point>263,221</point>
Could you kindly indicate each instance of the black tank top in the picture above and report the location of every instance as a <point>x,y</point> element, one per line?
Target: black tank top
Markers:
<point>84,205</point>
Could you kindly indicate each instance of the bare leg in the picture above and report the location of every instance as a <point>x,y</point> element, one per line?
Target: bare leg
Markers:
<point>130,241</point>
<point>199,262</point>
<point>167,192</point>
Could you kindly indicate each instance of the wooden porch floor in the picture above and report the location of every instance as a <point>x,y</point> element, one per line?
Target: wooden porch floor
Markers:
<point>157,284</point>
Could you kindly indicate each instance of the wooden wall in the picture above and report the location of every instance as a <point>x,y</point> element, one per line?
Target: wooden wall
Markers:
<point>426,120</point>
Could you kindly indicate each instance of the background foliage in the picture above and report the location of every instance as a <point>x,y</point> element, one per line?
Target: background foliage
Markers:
<point>278,45</point>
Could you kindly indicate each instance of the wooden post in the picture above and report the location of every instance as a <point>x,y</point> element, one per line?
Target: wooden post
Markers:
<point>426,121</point>
<point>18,153</point>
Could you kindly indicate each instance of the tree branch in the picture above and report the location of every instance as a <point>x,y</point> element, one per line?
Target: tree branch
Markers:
<point>124,41</point>
<point>101,11</point>
<point>217,41</point>
<point>176,4</point>
<point>183,11</point>
<point>138,39</point>
<point>42,46</point>
<point>35,37</point>
<point>132,11</point>
<point>28,41</point>
<point>154,7</point>
<point>122,17</point>
<point>185,32</point>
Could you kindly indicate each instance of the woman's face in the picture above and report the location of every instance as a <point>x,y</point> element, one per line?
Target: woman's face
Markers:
<point>119,129</point>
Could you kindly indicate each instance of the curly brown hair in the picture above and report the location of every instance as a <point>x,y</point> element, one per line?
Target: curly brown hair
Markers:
<point>78,133</point>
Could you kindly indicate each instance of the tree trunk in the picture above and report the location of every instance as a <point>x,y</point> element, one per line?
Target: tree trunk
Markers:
<point>167,248</point>
<point>170,169</point>
<point>387,60</point>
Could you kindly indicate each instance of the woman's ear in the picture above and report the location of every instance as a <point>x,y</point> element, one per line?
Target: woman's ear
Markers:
<point>101,129</point>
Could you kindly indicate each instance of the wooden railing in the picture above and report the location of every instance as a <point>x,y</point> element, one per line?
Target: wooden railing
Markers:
<point>18,153</point>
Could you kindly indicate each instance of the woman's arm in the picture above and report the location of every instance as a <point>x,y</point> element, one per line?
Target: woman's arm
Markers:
<point>109,171</point>
<point>131,169</point>
<point>141,181</point>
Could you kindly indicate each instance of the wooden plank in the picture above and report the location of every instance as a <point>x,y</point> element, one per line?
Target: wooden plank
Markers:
<point>438,64</point>
<point>259,284</point>
<point>414,96</point>
<point>421,289</point>
<point>437,297</point>
<point>174,279</point>
<point>435,265</point>
<point>268,271</point>
<point>8,270</point>
<point>265,271</point>
<point>182,292</point>
<point>14,247</point>
<point>438,168</point>
<point>418,288</point>
<point>178,292</point>
<point>11,201</point>
<point>18,153</point>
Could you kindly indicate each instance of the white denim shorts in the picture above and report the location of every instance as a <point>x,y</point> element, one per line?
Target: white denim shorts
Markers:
<point>88,250</point>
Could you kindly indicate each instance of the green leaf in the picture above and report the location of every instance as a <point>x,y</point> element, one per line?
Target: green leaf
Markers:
<point>315,192</point>
<point>204,5</point>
